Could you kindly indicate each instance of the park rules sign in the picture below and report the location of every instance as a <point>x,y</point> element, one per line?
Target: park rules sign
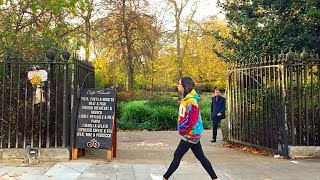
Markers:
<point>96,114</point>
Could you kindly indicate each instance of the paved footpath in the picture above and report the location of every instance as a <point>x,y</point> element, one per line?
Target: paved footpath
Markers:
<point>142,153</point>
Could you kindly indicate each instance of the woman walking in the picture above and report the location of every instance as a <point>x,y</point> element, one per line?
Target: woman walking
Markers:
<point>190,128</point>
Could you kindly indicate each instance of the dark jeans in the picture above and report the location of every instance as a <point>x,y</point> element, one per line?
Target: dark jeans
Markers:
<point>181,150</point>
<point>215,124</point>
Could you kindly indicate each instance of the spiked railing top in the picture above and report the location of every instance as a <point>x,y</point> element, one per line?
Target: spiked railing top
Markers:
<point>290,57</point>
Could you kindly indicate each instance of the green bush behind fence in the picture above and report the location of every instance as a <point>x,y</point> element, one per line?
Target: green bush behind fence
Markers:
<point>156,114</point>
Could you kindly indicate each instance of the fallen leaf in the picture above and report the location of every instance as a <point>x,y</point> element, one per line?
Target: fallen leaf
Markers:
<point>14,175</point>
<point>244,148</point>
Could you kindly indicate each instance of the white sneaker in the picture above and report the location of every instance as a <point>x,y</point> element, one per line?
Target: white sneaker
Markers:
<point>156,177</point>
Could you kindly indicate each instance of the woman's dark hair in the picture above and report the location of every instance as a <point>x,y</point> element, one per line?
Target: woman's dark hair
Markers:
<point>187,84</point>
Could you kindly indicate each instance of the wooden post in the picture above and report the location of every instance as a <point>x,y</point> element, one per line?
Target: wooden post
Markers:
<point>109,155</point>
<point>75,154</point>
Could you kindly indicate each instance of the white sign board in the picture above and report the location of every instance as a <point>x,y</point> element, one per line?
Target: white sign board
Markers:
<point>42,73</point>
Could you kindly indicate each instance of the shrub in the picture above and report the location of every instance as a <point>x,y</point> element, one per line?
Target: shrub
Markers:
<point>225,129</point>
<point>119,107</point>
<point>206,118</point>
<point>147,125</point>
<point>169,94</point>
<point>165,118</point>
<point>157,114</point>
<point>144,95</point>
<point>126,125</point>
<point>158,102</point>
<point>205,109</point>
<point>205,101</point>
<point>124,96</point>
<point>135,112</point>
<point>127,96</point>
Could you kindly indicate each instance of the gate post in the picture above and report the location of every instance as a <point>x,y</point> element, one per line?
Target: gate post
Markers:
<point>285,123</point>
<point>229,103</point>
<point>2,101</point>
<point>73,108</point>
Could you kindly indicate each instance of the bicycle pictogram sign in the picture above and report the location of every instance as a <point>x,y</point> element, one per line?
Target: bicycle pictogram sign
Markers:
<point>93,144</point>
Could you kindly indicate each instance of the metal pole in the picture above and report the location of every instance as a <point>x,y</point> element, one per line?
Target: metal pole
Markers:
<point>312,106</point>
<point>269,112</point>
<point>280,100</point>
<point>65,101</point>
<point>251,120</point>
<point>247,107</point>
<point>2,109</point>
<point>73,108</point>
<point>10,105</point>
<point>240,106</point>
<point>40,118</point>
<point>306,105</point>
<point>258,127</point>
<point>18,107</point>
<point>256,100</point>
<point>25,112</point>
<point>236,123</point>
<point>32,115</point>
<point>267,99</point>
<point>293,141</point>
<point>48,106</point>
<point>57,108</point>
<point>230,110</point>
<point>285,120</point>
<point>275,104</point>
<point>298,104</point>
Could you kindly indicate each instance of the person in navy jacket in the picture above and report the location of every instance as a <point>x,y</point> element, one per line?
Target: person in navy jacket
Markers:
<point>218,112</point>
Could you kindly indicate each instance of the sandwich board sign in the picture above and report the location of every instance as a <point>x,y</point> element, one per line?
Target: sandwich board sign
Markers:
<point>95,119</point>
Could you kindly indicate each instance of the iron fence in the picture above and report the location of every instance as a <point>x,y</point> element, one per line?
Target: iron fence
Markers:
<point>40,115</point>
<point>275,101</point>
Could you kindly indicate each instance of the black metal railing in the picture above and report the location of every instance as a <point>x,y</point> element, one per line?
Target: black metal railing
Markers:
<point>275,101</point>
<point>44,122</point>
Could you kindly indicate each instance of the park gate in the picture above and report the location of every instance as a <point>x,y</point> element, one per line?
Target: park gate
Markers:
<point>41,115</point>
<point>274,102</point>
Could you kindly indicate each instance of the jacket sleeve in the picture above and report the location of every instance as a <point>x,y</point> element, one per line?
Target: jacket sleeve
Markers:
<point>211,108</point>
<point>223,108</point>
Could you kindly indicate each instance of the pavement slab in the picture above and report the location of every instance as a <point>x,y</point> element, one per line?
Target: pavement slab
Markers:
<point>141,153</point>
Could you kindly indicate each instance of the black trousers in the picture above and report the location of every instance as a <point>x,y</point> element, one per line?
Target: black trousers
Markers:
<point>181,150</point>
<point>215,124</point>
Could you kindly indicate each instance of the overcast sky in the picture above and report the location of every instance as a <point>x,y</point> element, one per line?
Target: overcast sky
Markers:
<point>206,8</point>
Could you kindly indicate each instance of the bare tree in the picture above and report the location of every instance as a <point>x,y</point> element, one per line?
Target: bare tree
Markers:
<point>178,9</point>
<point>88,12</point>
<point>128,28</point>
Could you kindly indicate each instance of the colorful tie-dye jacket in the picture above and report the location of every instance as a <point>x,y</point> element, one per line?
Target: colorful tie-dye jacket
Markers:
<point>189,121</point>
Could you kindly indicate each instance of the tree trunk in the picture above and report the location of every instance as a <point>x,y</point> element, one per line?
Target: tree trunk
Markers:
<point>128,45</point>
<point>88,38</point>
<point>88,31</point>
<point>179,57</point>
<point>130,70</point>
